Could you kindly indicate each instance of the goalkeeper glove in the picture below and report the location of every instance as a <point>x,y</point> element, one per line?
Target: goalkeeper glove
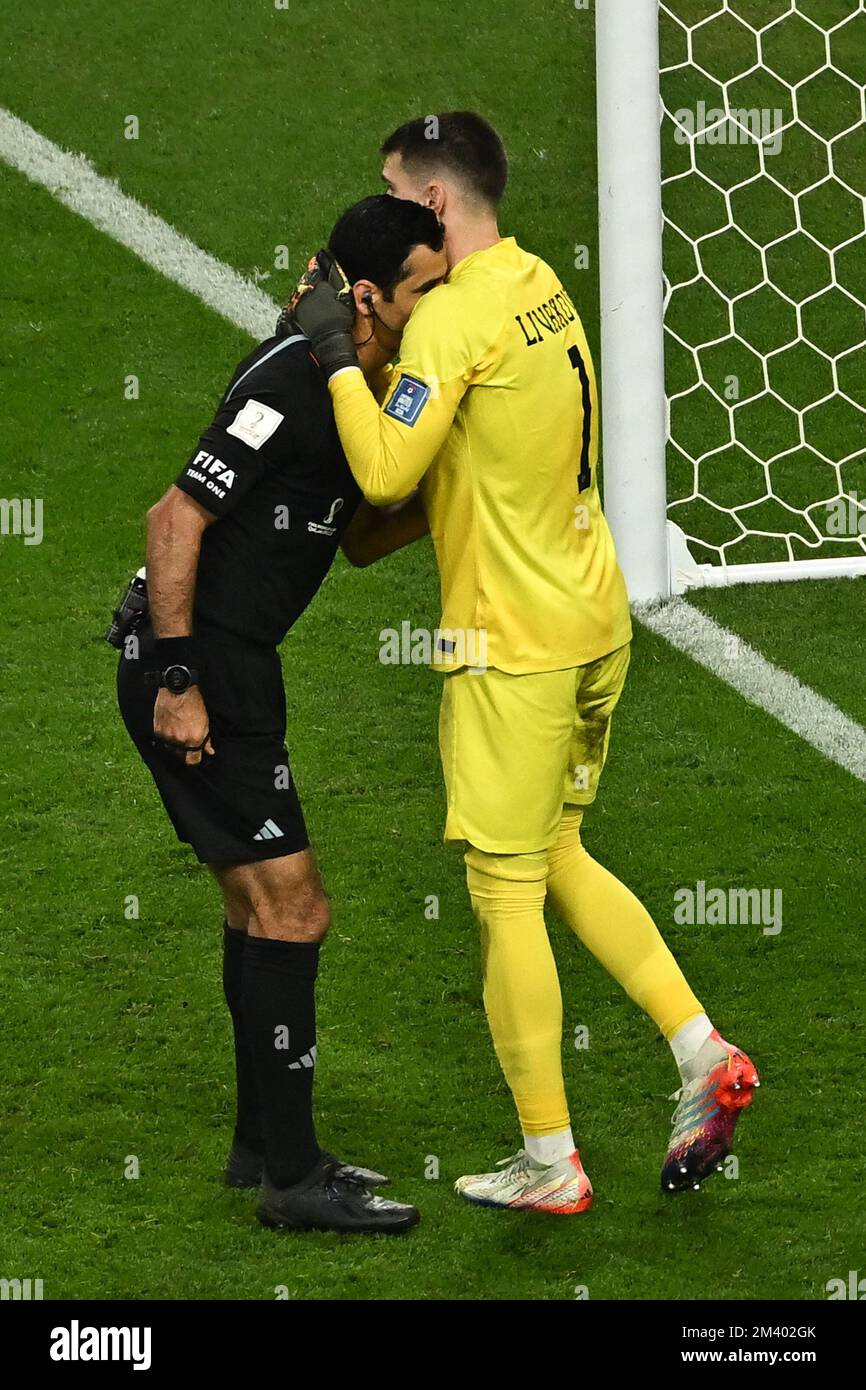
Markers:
<point>323,310</point>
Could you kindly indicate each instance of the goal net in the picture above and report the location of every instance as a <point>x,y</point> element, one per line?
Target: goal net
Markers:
<point>761,175</point>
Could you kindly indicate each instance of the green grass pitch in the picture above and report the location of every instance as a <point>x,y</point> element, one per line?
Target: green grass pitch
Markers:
<point>257,126</point>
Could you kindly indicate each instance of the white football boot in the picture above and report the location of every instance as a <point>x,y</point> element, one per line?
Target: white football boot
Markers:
<point>521,1184</point>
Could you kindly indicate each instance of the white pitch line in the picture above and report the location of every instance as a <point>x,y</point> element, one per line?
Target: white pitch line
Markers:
<point>801,709</point>
<point>73,181</point>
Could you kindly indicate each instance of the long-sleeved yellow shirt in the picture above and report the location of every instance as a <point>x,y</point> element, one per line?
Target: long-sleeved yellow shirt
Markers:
<point>493,410</point>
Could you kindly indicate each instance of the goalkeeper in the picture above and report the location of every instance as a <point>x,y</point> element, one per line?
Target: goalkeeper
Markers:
<point>492,413</point>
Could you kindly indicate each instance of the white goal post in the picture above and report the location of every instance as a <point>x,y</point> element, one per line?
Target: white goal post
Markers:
<point>674,535</point>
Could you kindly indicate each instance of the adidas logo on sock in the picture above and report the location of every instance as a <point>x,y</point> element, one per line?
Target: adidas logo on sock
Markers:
<point>269,831</point>
<point>308,1060</point>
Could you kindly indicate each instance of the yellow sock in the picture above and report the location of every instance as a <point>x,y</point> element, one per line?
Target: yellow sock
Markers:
<point>617,929</point>
<point>522,997</point>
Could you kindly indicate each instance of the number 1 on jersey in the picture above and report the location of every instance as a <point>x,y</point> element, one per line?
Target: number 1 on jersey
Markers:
<point>584,477</point>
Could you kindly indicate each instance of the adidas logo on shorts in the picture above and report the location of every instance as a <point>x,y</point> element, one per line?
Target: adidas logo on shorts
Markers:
<point>269,831</point>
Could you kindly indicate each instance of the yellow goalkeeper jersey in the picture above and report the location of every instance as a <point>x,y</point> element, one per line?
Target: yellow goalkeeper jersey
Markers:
<point>493,410</point>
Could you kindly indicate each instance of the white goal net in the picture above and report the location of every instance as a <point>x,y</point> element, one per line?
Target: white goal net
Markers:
<point>732,207</point>
<point>763,157</point>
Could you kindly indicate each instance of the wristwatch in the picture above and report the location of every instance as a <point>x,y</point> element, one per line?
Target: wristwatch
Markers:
<point>178,679</point>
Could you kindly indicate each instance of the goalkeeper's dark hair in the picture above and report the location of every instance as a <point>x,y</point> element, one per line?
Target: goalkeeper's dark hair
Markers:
<point>372,240</point>
<point>461,143</point>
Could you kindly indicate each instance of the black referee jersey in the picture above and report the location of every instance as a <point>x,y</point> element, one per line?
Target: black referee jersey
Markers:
<point>272,470</point>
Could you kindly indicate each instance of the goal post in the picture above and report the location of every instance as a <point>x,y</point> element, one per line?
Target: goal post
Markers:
<point>630,277</point>
<point>732,217</point>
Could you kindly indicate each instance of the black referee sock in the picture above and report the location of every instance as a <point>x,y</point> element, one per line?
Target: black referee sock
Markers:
<point>279,1005</point>
<point>248,1124</point>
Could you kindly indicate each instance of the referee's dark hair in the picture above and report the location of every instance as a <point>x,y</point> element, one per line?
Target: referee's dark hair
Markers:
<point>372,240</point>
<point>459,142</point>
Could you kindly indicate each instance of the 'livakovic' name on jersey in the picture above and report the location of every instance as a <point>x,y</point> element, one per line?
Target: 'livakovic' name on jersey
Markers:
<point>492,413</point>
<point>271,469</point>
<point>554,315</point>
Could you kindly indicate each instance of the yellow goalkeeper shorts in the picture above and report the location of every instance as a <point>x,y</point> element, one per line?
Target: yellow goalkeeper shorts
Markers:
<point>516,748</point>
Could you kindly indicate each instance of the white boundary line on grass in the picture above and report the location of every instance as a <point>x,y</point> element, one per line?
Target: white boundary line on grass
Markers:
<point>797,706</point>
<point>72,179</point>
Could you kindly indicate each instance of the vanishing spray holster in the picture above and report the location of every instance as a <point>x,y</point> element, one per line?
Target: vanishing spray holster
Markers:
<point>130,613</point>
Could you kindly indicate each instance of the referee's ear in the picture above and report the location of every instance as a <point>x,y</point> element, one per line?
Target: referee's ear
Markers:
<point>364,293</point>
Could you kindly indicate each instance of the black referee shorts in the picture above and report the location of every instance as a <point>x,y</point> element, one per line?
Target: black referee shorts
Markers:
<point>240,805</point>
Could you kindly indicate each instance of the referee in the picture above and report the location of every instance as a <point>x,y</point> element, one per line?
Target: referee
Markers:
<point>236,549</point>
